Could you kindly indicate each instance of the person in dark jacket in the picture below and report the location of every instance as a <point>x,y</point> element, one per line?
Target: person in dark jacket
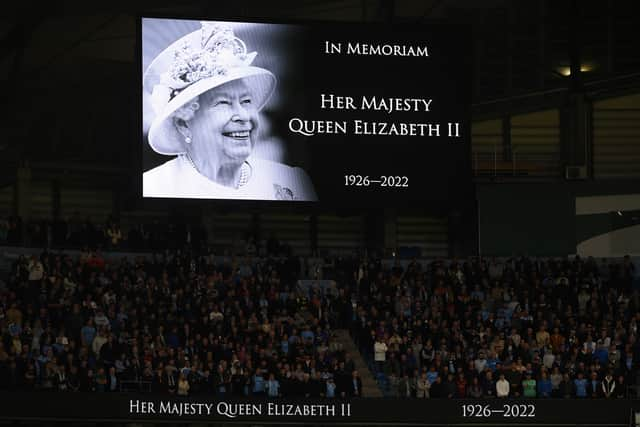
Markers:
<point>566,388</point>
<point>449,387</point>
<point>489,385</point>
<point>159,383</point>
<point>621,387</point>
<point>404,386</point>
<point>593,386</point>
<point>437,389</point>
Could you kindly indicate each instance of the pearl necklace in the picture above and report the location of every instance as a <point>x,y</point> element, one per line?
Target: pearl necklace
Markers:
<point>245,171</point>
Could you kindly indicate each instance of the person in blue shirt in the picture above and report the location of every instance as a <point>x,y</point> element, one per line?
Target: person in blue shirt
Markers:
<point>581,386</point>
<point>432,375</point>
<point>331,388</point>
<point>544,386</point>
<point>88,333</point>
<point>15,329</point>
<point>602,354</point>
<point>294,338</point>
<point>258,382</point>
<point>492,361</point>
<point>172,339</point>
<point>284,345</point>
<point>307,335</point>
<point>273,386</point>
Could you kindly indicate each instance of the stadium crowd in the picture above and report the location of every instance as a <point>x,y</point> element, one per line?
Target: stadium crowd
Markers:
<point>184,321</point>
<point>521,327</point>
<point>179,323</point>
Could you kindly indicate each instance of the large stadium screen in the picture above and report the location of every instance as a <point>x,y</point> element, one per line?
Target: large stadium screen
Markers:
<point>331,113</point>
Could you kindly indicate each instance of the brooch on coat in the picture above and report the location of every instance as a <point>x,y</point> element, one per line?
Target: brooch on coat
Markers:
<point>283,193</point>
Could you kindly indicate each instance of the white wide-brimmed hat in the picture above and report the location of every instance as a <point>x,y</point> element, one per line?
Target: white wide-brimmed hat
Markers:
<point>200,61</point>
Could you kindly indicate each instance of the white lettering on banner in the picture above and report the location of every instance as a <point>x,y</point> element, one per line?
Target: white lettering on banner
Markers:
<point>395,104</point>
<point>141,407</point>
<point>185,408</point>
<point>290,410</point>
<point>234,410</point>
<point>386,50</point>
<point>346,409</point>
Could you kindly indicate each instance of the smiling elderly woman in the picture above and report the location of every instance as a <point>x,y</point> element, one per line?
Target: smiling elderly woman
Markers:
<point>206,97</point>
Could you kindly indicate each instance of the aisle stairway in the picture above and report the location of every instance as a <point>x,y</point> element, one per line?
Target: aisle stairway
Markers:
<point>369,385</point>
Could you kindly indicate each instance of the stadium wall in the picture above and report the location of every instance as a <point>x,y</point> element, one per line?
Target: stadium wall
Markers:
<point>588,218</point>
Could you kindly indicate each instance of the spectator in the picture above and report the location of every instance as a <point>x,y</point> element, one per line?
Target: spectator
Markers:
<point>461,386</point>
<point>380,353</point>
<point>545,387</point>
<point>331,388</point>
<point>273,386</point>
<point>449,387</point>
<point>529,385</point>
<point>432,375</point>
<point>113,383</point>
<point>481,362</point>
<point>475,389</point>
<point>594,387</point>
<point>502,387</point>
<point>437,389</point>
<point>422,386</point>
<point>608,386</point>
<point>258,383</point>
<point>101,380</point>
<point>183,385</point>
<point>621,387</point>
<point>489,385</point>
<point>61,380</point>
<point>159,382</point>
<point>87,382</point>
<point>73,381</point>
<point>514,376</point>
<point>580,386</point>
<point>355,389</point>
<point>405,388</point>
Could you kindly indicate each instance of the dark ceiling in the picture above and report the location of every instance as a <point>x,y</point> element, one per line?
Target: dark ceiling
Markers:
<point>69,68</point>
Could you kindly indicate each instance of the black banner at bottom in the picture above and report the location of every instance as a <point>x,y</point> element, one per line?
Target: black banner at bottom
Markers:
<point>125,407</point>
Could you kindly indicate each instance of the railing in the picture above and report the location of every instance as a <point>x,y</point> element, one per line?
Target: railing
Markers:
<point>492,163</point>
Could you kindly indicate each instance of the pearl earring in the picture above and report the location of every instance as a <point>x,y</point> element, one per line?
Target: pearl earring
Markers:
<point>187,139</point>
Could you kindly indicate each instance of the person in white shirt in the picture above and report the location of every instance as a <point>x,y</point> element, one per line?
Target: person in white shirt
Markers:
<point>380,353</point>
<point>480,363</point>
<point>502,387</point>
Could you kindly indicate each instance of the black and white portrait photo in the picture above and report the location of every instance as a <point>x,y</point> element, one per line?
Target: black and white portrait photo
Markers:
<point>209,96</point>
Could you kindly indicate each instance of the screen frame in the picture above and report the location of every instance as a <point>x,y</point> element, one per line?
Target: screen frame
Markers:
<point>467,200</point>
